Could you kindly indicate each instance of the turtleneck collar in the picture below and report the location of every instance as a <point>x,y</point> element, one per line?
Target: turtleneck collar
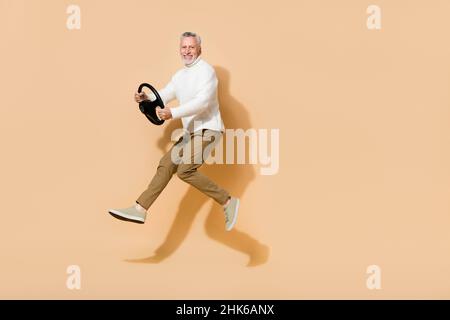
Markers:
<point>194,62</point>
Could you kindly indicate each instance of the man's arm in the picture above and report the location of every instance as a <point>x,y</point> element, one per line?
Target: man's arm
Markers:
<point>200,102</point>
<point>168,92</point>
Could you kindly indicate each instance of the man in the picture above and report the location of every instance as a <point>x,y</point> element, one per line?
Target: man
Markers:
<point>195,87</point>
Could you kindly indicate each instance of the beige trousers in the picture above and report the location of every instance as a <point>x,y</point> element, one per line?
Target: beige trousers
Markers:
<point>185,166</point>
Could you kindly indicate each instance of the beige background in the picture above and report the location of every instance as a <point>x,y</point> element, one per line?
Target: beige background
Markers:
<point>364,150</point>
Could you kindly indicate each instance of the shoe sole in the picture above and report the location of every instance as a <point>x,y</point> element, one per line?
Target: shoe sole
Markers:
<point>125,217</point>
<point>234,216</point>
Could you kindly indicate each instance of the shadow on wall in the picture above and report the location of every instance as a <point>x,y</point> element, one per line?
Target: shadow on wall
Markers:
<point>232,177</point>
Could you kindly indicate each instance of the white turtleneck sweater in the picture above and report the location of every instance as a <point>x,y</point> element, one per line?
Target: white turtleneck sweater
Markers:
<point>195,88</point>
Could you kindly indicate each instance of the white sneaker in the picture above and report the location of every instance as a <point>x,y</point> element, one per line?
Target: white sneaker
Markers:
<point>231,213</point>
<point>130,214</point>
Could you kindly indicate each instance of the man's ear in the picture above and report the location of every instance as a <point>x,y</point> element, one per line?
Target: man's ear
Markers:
<point>199,50</point>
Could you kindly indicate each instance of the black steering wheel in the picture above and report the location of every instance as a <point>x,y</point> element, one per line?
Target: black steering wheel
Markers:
<point>148,108</point>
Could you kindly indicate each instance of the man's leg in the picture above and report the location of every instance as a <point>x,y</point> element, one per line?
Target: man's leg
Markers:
<point>188,171</point>
<point>164,172</point>
<point>138,212</point>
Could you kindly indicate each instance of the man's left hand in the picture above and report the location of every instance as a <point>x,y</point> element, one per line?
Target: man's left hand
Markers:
<point>163,114</point>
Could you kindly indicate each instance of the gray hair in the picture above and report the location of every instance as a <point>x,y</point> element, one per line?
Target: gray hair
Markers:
<point>192,34</point>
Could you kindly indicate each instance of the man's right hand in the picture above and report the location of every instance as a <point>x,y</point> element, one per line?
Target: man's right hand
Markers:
<point>138,97</point>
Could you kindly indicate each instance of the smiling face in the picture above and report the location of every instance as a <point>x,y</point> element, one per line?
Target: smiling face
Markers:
<point>189,50</point>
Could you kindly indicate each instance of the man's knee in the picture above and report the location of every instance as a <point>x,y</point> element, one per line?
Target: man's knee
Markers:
<point>184,172</point>
<point>166,168</point>
<point>166,162</point>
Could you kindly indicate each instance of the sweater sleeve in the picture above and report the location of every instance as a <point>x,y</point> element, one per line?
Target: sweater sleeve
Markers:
<point>167,93</point>
<point>200,101</point>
